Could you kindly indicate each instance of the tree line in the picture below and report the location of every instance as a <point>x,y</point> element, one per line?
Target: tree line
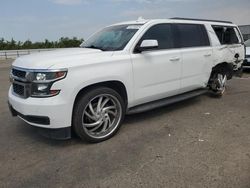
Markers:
<point>63,42</point>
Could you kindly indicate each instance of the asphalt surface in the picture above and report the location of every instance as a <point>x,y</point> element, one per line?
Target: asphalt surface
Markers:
<point>202,142</point>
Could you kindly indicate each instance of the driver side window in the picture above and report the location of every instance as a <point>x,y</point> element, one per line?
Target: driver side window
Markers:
<point>162,33</point>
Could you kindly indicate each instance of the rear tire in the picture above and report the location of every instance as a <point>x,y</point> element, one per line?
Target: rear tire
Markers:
<point>218,83</point>
<point>98,114</point>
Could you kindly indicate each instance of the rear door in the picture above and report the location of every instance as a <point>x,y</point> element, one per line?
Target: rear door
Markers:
<point>194,44</point>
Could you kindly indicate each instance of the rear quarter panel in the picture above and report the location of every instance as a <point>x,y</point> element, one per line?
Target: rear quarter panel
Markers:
<point>225,53</point>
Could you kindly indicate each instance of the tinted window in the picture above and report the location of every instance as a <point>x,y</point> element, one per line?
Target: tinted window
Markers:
<point>161,33</point>
<point>239,37</point>
<point>226,35</point>
<point>230,36</point>
<point>220,33</point>
<point>190,35</point>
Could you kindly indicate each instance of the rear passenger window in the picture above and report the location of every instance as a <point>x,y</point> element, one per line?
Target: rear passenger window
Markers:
<point>162,33</point>
<point>191,35</point>
<point>226,35</point>
<point>238,35</point>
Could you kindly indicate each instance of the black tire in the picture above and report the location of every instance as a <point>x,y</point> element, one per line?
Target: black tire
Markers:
<point>88,99</point>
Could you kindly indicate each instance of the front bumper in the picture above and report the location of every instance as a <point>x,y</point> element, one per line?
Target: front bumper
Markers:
<point>50,113</point>
<point>53,133</point>
<point>42,120</point>
<point>59,133</point>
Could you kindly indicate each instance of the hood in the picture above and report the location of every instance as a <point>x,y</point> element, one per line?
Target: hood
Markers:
<point>60,58</point>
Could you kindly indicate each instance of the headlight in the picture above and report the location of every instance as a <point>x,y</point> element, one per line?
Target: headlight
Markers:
<point>47,76</point>
<point>41,83</point>
<point>41,76</point>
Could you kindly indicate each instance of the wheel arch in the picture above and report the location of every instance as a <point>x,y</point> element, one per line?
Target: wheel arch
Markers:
<point>223,67</point>
<point>118,86</point>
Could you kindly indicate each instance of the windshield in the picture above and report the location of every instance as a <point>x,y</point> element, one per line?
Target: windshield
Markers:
<point>112,38</point>
<point>247,43</point>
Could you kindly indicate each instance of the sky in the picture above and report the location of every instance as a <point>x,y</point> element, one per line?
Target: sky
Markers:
<point>37,20</point>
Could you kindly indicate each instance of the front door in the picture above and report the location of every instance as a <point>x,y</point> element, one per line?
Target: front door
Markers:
<point>157,72</point>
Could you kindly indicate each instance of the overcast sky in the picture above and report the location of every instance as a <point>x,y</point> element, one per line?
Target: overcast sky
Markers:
<point>40,19</point>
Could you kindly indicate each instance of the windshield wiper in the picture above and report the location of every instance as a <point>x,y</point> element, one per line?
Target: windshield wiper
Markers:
<point>94,47</point>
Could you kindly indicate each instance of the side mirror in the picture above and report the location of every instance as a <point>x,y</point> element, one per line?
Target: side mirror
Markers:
<point>148,45</point>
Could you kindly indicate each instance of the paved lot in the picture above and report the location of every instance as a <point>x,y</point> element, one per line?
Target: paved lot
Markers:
<point>202,142</point>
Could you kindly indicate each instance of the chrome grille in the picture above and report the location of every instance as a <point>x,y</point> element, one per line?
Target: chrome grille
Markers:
<point>21,87</point>
<point>18,73</point>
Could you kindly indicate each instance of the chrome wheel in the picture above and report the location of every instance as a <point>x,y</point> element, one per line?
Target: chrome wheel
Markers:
<point>101,116</point>
<point>219,83</point>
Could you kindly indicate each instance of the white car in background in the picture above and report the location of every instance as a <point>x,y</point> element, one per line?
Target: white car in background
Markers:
<point>246,64</point>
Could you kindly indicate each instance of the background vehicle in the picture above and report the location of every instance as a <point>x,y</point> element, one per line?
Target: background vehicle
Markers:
<point>125,68</point>
<point>246,64</point>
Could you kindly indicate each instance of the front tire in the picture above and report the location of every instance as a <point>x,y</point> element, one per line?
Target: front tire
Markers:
<point>98,114</point>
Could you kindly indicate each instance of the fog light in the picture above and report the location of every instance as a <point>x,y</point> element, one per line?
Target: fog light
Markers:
<point>42,87</point>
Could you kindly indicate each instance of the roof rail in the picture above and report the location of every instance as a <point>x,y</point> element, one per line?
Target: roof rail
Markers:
<point>193,19</point>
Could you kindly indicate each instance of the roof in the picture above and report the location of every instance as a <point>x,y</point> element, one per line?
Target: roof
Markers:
<point>205,20</point>
<point>184,20</point>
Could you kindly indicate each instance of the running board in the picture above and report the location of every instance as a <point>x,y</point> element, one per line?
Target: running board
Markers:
<point>166,101</point>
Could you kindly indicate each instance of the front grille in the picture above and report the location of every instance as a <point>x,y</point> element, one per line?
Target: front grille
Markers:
<point>19,89</point>
<point>18,73</point>
<point>21,86</point>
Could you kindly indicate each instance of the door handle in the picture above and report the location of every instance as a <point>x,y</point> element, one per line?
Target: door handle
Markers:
<point>207,55</point>
<point>174,59</point>
<point>222,48</point>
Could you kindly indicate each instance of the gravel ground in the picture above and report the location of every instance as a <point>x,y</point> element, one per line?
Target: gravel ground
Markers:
<point>202,142</point>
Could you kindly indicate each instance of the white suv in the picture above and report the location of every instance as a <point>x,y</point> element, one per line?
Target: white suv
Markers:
<point>125,68</point>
